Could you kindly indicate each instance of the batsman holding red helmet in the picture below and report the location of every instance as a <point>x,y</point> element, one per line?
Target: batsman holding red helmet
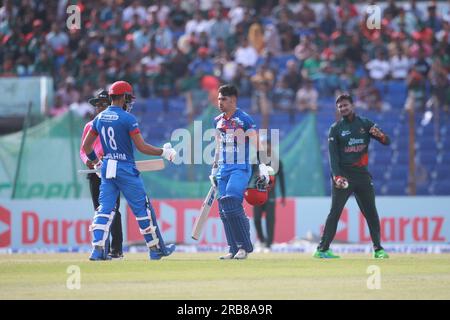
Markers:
<point>232,170</point>
<point>348,143</point>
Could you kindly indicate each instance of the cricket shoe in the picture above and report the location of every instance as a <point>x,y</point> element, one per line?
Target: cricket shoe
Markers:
<point>380,254</point>
<point>116,255</point>
<point>241,254</point>
<point>158,254</point>
<point>328,254</point>
<point>99,254</point>
<point>227,256</point>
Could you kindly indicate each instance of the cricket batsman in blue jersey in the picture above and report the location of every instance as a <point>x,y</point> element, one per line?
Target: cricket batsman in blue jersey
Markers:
<point>231,171</point>
<point>119,130</point>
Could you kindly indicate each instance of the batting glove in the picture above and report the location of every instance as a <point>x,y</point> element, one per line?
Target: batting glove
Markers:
<point>264,173</point>
<point>212,177</point>
<point>98,168</point>
<point>169,153</point>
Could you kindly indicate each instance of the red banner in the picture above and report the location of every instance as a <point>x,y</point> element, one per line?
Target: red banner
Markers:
<point>176,219</point>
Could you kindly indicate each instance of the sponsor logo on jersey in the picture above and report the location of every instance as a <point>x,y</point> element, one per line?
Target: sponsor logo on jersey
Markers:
<point>345,133</point>
<point>109,117</point>
<point>354,141</point>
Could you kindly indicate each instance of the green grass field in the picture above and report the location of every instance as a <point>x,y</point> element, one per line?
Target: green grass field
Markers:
<point>201,276</point>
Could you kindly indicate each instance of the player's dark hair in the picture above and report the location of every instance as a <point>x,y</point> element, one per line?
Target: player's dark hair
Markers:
<point>344,96</point>
<point>228,90</point>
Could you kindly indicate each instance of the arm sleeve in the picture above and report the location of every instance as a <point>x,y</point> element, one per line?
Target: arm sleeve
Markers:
<point>385,140</point>
<point>333,149</point>
<point>83,155</point>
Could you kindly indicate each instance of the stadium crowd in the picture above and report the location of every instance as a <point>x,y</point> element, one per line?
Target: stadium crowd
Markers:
<point>281,53</point>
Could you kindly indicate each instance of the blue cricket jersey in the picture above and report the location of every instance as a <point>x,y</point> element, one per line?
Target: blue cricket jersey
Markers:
<point>234,153</point>
<point>115,127</point>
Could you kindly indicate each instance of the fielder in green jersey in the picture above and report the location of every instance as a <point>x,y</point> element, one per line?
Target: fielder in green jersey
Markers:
<point>348,144</point>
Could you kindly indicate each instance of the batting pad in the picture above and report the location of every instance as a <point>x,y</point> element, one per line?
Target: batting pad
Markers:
<point>233,249</point>
<point>238,221</point>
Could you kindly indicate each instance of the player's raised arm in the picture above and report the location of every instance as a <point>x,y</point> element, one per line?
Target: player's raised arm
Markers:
<point>379,135</point>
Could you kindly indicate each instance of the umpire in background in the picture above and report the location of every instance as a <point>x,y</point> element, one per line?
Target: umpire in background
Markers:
<point>101,101</point>
<point>348,143</point>
<point>270,205</point>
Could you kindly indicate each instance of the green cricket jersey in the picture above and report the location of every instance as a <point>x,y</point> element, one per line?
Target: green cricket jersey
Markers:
<point>348,143</point>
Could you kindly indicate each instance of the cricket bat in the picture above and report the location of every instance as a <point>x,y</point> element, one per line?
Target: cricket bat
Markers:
<point>144,165</point>
<point>204,212</point>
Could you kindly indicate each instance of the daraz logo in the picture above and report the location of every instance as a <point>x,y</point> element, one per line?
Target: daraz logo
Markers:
<point>5,227</point>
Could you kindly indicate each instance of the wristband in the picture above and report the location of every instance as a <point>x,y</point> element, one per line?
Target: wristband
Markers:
<point>92,156</point>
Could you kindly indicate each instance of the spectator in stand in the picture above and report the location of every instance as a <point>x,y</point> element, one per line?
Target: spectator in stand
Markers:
<point>246,54</point>
<point>69,94</point>
<point>284,99</point>
<point>307,97</point>
<point>151,63</point>
<point>283,8</point>
<point>392,9</point>
<point>305,49</point>
<point>44,64</point>
<point>354,51</point>
<point>81,107</point>
<point>177,18</point>
<point>242,81</point>
<point>399,65</point>
<point>135,9</point>
<point>164,85</point>
<point>378,68</point>
<point>306,15</point>
<point>59,107</point>
<point>421,64</point>
<point>348,80</point>
<point>311,67</point>
<point>327,24</point>
<point>292,75</point>
<point>202,65</point>
<point>368,97</point>
<point>142,36</point>
<point>286,32</point>
<point>256,36</point>
<point>197,24</point>
<point>262,84</point>
<point>219,28</point>
<point>57,39</point>
<point>272,39</point>
<point>164,40</point>
<point>236,14</point>
<point>404,22</point>
<point>397,44</point>
<point>415,11</point>
<point>433,21</point>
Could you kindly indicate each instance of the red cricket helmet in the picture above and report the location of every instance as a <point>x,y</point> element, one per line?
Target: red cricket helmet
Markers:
<point>123,88</point>
<point>257,195</point>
